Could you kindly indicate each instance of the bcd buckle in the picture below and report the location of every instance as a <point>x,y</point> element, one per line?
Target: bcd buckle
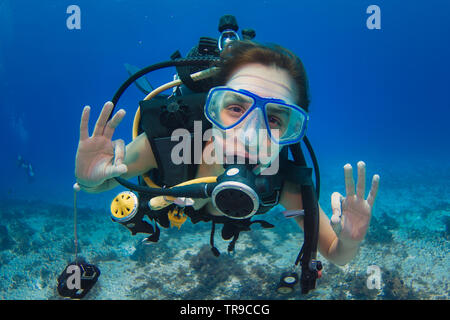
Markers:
<point>177,217</point>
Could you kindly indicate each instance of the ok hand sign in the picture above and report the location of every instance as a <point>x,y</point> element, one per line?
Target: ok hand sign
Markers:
<point>351,214</point>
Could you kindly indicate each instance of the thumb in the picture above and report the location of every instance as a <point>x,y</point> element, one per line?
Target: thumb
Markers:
<point>117,168</point>
<point>160,202</point>
<point>336,208</point>
<point>115,171</point>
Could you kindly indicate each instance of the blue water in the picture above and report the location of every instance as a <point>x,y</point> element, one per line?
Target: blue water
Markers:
<point>376,95</point>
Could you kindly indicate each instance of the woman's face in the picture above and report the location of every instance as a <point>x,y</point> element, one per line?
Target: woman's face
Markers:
<point>250,138</point>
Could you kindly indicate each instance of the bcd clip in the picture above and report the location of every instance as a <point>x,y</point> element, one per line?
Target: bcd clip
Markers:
<point>177,217</point>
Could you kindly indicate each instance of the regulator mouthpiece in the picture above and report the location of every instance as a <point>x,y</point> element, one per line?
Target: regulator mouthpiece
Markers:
<point>236,194</point>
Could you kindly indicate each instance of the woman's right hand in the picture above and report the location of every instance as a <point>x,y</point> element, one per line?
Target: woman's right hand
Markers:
<point>98,157</point>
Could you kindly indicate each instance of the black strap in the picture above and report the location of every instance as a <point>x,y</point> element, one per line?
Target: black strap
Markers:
<point>299,158</point>
<point>185,77</point>
<point>264,224</point>
<point>296,173</point>
<point>236,231</point>
<point>232,229</point>
<point>155,236</point>
<point>233,242</point>
<point>308,252</point>
<point>214,250</point>
<point>299,257</point>
<point>185,73</point>
<point>311,232</point>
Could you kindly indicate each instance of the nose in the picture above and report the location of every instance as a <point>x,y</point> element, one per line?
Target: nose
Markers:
<point>251,128</point>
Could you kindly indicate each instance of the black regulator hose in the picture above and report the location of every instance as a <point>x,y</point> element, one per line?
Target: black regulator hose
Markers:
<point>198,190</point>
<point>181,62</point>
<point>299,158</point>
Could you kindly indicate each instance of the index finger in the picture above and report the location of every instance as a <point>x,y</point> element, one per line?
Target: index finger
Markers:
<point>84,134</point>
<point>349,182</point>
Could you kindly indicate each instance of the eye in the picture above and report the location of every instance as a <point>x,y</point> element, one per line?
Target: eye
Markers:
<point>275,122</point>
<point>235,110</point>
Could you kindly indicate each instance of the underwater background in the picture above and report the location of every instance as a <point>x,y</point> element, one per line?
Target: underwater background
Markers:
<point>378,95</point>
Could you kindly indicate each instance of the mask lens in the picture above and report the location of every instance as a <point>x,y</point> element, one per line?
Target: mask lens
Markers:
<point>286,123</point>
<point>227,108</point>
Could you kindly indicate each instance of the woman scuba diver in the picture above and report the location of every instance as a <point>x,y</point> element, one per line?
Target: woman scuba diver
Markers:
<point>260,95</point>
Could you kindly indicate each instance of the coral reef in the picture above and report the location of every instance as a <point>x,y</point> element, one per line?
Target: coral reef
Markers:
<point>36,243</point>
<point>395,288</point>
<point>211,270</point>
<point>146,253</point>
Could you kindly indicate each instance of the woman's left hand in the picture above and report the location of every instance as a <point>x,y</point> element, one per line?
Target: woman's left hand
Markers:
<point>351,214</point>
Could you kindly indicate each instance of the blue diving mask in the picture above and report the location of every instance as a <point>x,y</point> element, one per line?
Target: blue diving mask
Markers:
<point>228,108</point>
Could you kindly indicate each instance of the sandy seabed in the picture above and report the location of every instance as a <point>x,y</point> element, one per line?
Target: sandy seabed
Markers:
<point>408,241</point>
